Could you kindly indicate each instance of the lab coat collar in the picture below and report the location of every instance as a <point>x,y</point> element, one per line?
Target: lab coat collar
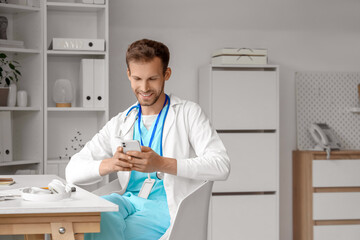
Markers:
<point>131,118</point>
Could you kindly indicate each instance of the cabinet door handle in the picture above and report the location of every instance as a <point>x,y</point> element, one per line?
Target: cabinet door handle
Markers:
<point>99,98</point>
<point>7,151</point>
<point>88,98</point>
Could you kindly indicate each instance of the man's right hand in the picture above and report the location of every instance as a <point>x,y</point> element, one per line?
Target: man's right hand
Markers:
<point>117,163</point>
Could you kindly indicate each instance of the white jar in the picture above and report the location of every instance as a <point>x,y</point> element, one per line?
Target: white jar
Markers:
<point>21,98</point>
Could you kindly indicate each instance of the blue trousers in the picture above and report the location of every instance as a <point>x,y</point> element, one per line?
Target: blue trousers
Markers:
<point>137,219</point>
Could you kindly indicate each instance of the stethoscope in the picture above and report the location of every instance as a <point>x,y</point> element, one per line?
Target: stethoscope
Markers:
<point>138,106</point>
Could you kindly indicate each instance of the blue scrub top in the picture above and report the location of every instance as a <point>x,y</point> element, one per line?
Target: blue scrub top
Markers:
<point>138,178</point>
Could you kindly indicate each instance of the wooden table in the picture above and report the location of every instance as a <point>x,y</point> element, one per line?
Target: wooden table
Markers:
<point>77,215</point>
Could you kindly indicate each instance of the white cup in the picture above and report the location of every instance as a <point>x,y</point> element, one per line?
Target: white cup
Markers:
<point>21,99</point>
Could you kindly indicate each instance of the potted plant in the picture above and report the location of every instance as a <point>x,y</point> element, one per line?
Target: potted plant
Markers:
<point>9,76</point>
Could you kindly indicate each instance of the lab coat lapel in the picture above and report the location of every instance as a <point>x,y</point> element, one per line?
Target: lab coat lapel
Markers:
<point>170,119</point>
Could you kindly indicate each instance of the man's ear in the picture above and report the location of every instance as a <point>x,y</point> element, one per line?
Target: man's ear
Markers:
<point>128,73</point>
<point>167,73</point>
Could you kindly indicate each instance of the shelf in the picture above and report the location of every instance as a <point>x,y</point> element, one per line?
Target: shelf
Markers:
<point>75,109</point>
<point>74,53</point>
<point>59,6</point>
<point>244,66</point>
<point>19,50</point>
<point>355,110</point>
<point>14,8</point>
<point>19,109</point>
<point>22,162</point>
<point>58,161</point>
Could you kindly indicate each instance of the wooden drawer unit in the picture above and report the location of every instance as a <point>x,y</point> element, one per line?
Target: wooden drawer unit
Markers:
<point>326,195</point>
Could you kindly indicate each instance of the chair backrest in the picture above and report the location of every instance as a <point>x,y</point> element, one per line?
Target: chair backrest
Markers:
<point>191,221</point>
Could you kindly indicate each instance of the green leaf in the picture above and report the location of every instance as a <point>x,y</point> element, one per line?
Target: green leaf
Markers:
<point>2,55</point>
<point>16,62</point>
<point>11,66</point>
<point>17,71</point>
<point>11,78</point>
<point>7,80</point>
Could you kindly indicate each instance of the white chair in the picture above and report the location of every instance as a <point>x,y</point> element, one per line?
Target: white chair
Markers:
<point>191,220</point>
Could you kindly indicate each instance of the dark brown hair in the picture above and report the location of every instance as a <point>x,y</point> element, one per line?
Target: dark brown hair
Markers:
<point>146,50</point>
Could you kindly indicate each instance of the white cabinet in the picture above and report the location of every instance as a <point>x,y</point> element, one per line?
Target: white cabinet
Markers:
<point>242,103</point>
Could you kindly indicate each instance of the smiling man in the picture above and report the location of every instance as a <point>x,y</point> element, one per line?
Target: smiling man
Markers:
<point>177,141</point>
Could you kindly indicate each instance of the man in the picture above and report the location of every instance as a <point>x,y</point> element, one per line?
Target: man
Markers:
<point>177,140</point>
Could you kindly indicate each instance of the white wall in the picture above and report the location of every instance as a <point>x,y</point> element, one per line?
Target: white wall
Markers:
<point>301,35</point>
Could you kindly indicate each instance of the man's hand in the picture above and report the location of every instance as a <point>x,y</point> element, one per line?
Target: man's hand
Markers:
<point>149,161</point>
<point>118,162</point>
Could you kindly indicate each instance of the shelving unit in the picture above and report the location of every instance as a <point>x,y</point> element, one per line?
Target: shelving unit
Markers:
<point>44,135</point>
<point>25,23</point>
<point>68,129</point>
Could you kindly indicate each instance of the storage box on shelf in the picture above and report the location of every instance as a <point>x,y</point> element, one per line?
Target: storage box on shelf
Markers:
<point>242,103</point>
<point>72,20</point>
<point>24,45</point>
<point>326,195</point>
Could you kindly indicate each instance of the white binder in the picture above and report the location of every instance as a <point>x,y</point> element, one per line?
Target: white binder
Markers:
<point>87,83</point>
<point>5,136</point>
<point>99,1</point>
<point>77,44</point>
<point>99,83</point>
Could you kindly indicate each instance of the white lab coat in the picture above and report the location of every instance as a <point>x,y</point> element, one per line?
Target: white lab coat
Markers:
<point>188,137</point>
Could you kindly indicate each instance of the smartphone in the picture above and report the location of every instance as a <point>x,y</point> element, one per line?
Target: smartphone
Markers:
<point>131,145</point>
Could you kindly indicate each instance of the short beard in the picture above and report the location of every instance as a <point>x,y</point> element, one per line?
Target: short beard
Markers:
<point>155,100</point>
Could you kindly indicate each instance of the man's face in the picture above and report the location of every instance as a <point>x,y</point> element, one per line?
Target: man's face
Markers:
<point>147,80</point>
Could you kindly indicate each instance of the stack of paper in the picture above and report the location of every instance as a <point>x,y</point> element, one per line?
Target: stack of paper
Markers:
<point>239,56</point>
<point>11,43</point>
